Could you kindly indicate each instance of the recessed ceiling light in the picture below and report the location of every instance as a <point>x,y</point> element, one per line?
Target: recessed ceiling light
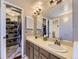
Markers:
<point>39,3</point>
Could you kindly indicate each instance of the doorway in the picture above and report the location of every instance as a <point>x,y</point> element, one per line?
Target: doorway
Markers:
<point>11,20</point>
<point>13,32</point>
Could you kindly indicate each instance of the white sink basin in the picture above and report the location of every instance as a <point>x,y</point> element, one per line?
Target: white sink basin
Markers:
<point>57,48</point>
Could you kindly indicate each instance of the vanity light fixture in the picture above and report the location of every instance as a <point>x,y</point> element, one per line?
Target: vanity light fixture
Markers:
<point>55,1</point>
<point>37,8</point>
<point>37,12</point>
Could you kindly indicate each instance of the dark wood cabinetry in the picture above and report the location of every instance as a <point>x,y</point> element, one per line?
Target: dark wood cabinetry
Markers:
<point>43,52</point>
<point>27,49</point>
<point>41,56</point>
<point>36,57</point>
<point>35,52</point>
<point>31,53</point>
<point>53,57</point>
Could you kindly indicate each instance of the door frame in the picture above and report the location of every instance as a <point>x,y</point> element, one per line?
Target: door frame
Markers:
<point>3,17</point>
<point>2,30</point>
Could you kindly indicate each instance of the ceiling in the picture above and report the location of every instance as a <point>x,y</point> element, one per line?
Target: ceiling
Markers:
<point>35,3</point>
<point>64,7</point>
<point>48,9</point>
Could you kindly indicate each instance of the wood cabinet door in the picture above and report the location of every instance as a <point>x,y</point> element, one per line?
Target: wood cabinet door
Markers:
<point>44,52</point>
<point>36,52</point>
<point>53,57</point>
<point>31,53</point>
<point>42,57</point>
<point>27,50</point>
<point>36,57</point>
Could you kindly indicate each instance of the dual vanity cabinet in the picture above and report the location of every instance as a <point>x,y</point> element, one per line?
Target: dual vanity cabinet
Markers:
<point>35,52</point>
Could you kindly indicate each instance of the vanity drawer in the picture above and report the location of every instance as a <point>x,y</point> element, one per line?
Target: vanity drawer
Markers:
<point>45,53</point>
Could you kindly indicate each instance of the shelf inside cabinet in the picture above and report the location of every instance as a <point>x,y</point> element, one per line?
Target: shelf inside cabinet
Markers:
<point>12,33</point>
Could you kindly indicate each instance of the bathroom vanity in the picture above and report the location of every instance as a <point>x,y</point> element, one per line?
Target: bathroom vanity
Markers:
<point>39,49</point>
<point>36,52</point>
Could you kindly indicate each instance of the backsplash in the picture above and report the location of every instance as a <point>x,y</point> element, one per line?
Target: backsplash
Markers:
<point>29,32</point>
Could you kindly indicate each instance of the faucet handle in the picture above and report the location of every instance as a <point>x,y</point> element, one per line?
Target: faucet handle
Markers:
<point>57,42</point>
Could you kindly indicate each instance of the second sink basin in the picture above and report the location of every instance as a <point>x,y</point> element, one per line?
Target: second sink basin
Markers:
<point>57,48</point>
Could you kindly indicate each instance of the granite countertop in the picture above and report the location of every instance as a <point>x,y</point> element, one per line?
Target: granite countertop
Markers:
<point>44,44</point>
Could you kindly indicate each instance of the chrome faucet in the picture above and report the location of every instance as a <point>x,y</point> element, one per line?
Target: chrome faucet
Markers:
<point>58,41</point>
